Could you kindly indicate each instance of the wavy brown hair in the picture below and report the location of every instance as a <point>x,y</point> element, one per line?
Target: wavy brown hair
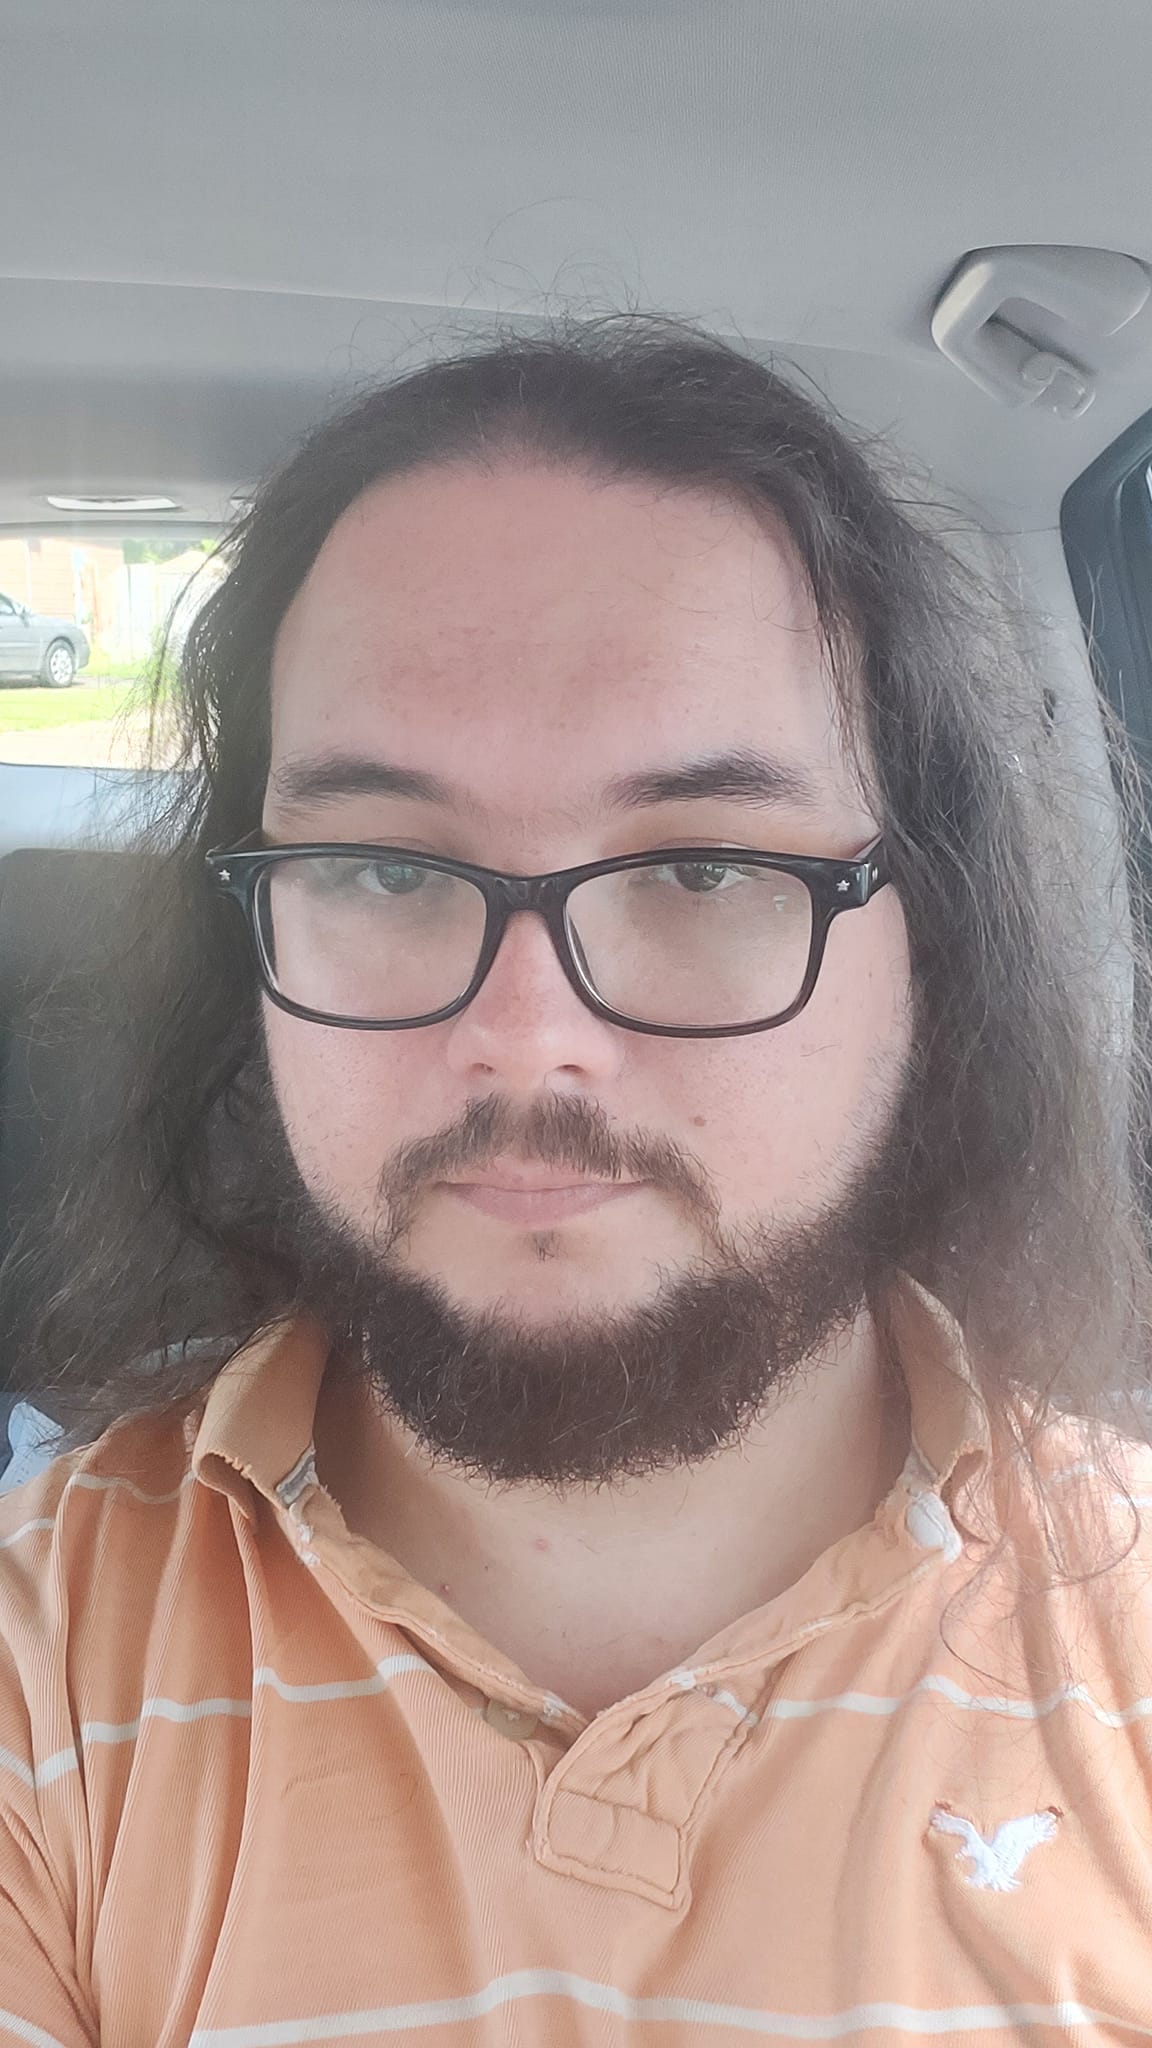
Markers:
<point>1023,1206</point>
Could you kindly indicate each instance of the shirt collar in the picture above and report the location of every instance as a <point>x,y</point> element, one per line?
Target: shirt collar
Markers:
<point>256,1428</point>
<point>257,1422</point>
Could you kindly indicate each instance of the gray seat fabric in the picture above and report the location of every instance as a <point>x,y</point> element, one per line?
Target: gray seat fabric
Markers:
<point>63,1086</point>
<point>58,1076</point>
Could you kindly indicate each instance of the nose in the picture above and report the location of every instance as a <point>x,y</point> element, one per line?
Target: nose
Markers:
<point>526,1027</point>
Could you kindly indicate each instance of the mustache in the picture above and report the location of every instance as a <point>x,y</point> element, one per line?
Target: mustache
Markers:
<point>557,1130</point>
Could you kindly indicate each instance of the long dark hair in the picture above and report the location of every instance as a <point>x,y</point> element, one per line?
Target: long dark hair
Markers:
<point>1023,1198</point>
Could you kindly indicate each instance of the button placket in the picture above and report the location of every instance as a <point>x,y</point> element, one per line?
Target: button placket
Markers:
<point>588,1823</point>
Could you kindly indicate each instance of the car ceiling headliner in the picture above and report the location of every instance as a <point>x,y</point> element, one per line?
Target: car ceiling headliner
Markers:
<point>217,217</point>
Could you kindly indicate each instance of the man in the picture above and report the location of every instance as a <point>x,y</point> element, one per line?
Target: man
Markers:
<point>652,1564</point>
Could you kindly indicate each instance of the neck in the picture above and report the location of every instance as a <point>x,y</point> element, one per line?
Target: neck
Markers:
<point>597,1593</point>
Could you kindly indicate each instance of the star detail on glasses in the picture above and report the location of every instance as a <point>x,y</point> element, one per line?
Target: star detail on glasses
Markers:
<point>842,888</point>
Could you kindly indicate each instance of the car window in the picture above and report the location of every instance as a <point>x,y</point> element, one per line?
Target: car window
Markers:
<point>87,622</point>
<point>1106,525</point>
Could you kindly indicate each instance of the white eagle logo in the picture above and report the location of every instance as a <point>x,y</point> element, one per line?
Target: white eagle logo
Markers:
<point>996,1858</point>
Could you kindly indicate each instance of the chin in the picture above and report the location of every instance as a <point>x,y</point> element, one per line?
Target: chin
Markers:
<point>570,1265</point>
<point>540,1288</point>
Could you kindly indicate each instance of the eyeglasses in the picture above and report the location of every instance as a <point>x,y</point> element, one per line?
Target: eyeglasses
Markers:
<point>687,942</point>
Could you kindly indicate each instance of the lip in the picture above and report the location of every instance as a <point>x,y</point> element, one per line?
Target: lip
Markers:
<point>532,1199</point>
<point>531,1180</point>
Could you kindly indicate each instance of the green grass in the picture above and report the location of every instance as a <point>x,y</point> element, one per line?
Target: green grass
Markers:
<point>33,710</point>
<point>101,667</point>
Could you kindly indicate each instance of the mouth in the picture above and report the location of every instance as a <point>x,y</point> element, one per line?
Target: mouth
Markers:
<point>535,1196</point>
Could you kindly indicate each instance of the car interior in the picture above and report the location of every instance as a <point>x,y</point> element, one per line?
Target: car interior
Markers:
<point>222,221</point>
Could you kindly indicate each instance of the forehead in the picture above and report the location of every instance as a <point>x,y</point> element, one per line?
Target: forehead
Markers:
<point>545,628</point>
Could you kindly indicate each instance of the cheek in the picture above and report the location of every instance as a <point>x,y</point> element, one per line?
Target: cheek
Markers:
<point>858,1029</point>
<point>340,1095</point>
<point>782,1118</point>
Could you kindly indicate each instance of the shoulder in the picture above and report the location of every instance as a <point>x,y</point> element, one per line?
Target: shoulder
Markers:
<point>90,1579</point>
<point>1082,1553</point>
<point>1097,1488</point>
<point>112,1509</point>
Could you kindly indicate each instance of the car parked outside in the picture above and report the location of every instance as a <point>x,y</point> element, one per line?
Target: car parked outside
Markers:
<point>40,645</point>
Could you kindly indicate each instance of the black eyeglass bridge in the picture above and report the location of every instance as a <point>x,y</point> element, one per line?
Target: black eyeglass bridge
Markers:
<point>834,886</point>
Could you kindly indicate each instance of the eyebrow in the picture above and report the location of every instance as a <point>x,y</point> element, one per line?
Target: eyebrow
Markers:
<point>742,776</point>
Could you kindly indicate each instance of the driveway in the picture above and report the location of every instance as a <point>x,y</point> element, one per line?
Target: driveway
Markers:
<point>116,743</point>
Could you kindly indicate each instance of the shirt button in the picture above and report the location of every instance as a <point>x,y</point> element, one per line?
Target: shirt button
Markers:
<point>930,1524</point>
<point>509,1722</point>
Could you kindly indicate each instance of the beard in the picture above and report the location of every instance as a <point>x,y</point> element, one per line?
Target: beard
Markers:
<point>590,1399</point>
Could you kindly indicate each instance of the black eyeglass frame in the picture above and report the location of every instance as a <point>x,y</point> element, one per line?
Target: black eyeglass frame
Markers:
<point>833,886</point>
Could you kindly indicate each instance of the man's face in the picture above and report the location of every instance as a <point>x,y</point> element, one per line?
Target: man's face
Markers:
<point>529,637</point>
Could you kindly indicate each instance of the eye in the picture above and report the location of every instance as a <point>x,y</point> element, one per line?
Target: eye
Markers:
<point>337,875</point>
<point>390,878</point>
<point>702,878</point>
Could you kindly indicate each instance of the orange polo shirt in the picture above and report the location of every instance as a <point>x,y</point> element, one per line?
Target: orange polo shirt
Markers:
<point>259,1787</point>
